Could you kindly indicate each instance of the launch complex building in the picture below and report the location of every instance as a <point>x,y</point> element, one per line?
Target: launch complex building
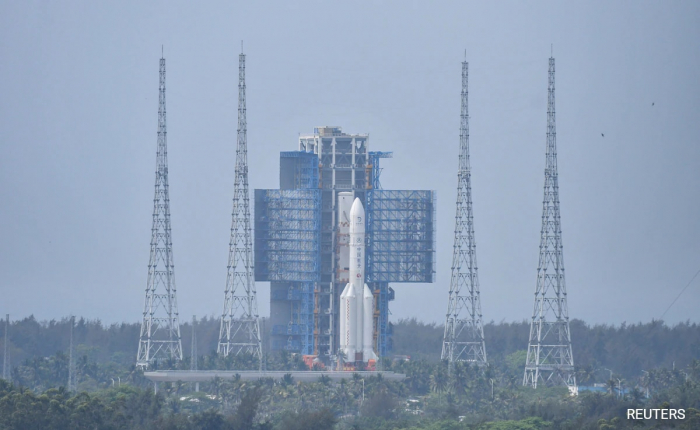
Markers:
<point>302,248</point>
<point>330,240</point>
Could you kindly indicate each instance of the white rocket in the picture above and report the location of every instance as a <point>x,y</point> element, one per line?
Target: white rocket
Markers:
<point>356,301</point>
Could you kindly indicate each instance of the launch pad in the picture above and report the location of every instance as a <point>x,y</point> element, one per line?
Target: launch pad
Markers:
<point>254,375</point>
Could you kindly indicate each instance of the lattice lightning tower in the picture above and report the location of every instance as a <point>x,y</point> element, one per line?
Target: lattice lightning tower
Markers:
<point>240,329</point>
<point>464,333</point>
<point>549,356</point>
<point>160,329</point>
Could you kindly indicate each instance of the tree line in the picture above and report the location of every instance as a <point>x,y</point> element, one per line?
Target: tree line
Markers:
<point>431,398</point>
<point>655,365</point>
<point>627,349</point>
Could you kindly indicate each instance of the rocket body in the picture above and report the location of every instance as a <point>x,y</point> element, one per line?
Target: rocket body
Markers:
<point>356,300</point>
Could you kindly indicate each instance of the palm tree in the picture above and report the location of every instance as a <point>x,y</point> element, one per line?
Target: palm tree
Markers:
<point>343,394</point>
<point>178,386</point>
<point>585,374</point>
<point>342,358</point>
<point>325,380</point>
<point>439,381</point>
<point>287,379</point>
<point>636,396</point>
<point>230,391</point>
<point>286,389</point>
<point>694,370</point>
<point>217,384</point>
<point>284,360</point>
<point>610,386</point>
<point>458,379</point>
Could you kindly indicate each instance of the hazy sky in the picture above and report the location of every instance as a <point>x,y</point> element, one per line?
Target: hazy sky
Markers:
<point>78,119</point>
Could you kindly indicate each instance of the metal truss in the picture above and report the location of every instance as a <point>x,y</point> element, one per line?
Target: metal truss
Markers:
<point>383,294</point>
<point>305,171</point>
<point>240,328</point>
<point>160,329</point>
<point>376,170</point>
<point>287,235</point>
<point>549,356</point>
<point>299,330</point>
<point>400,236</point>
<point>287,248</point>
<point>464,332</point>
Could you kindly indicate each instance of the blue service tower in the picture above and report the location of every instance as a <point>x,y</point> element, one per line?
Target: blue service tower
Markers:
<point>302,241</point>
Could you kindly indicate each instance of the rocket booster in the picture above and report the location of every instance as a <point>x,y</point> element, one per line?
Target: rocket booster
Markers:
<point>356,300</point>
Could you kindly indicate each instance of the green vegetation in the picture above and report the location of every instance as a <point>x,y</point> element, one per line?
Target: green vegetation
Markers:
<point>113,394</point>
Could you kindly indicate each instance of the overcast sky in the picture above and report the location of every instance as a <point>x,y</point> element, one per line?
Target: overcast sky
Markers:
<point>78,120</point>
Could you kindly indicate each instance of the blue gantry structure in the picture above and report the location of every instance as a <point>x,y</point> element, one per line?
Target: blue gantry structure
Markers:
<point>287,247</point>
<point>297,247</point>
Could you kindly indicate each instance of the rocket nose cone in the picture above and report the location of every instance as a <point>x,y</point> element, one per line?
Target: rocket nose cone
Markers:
<point>357,209</point>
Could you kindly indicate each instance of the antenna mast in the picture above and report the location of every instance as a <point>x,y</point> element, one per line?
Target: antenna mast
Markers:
<point>6,369</point>
<point>549,356</point>
<point>194,353</point>
<point>240,329</point>
<point>71,362</point>
<point>160,329</point>
<point>464,332</point>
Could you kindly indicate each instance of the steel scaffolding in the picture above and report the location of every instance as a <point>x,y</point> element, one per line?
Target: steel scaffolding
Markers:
<point>383,331</point>
<point>400,236</point>
<point>343,163</point>
<point>287,253</point>
<point>300,328</point>
<point>287,235</point>
<point>400,239</point>
<point>298,170</point>
<point>376,170</point>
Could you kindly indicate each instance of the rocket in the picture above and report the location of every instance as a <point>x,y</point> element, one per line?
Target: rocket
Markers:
<point>356,300</point>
